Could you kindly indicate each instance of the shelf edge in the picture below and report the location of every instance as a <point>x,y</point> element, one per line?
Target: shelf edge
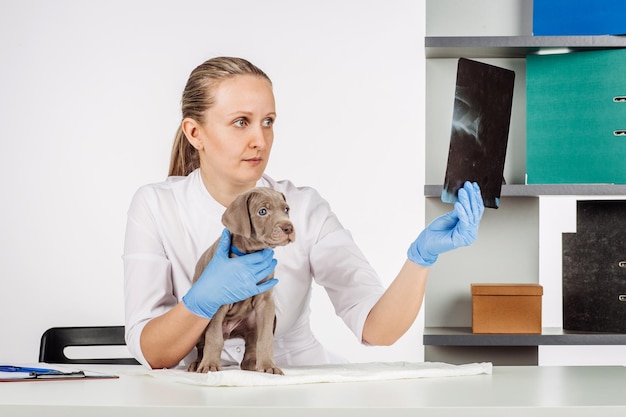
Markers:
<point>538,190</point>
<point>463,336</point>
<point>514,46</point>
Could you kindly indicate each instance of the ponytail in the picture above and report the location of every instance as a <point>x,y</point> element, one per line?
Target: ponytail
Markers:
<point>184,158</point>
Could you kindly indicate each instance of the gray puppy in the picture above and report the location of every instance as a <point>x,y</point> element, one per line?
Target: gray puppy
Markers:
<point>257,219</point>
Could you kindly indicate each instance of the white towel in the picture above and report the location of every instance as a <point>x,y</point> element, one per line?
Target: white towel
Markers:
<point>234,377</point>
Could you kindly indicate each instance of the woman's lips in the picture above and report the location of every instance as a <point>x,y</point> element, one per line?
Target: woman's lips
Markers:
<point>253,161</point>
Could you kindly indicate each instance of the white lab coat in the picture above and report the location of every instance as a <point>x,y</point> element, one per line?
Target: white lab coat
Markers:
<point>170,224</point>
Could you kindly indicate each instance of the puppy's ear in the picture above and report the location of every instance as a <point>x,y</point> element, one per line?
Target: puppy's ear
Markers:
<point>236,218</point>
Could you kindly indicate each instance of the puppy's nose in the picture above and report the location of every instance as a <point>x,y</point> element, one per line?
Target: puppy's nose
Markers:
<point>287,228</point>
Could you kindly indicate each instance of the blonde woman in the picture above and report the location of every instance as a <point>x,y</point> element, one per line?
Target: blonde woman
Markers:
<point>221,149</point>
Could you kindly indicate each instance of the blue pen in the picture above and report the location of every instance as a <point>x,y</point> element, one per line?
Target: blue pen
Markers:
<point>25,369</point>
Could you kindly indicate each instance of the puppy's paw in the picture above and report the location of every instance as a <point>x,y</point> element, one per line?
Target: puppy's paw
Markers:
<point>193,366</point>
<point>207,366</point>
<point>273,369</point>
<point>267,367</point>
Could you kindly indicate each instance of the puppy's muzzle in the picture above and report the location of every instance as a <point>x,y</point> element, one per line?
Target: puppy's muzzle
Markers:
<point>283,233</point>
<point>287,228</point>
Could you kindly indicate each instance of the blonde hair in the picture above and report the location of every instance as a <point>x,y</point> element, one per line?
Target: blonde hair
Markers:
<point>198,98</point>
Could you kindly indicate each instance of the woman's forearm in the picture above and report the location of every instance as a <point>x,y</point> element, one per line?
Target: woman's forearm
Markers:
<point>167,339</point>
<point>398,307</point>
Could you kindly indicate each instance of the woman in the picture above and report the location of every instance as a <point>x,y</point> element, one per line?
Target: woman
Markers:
<point>221,149</point>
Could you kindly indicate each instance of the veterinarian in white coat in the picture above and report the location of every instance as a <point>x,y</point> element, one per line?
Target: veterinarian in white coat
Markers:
<point>221,149</point>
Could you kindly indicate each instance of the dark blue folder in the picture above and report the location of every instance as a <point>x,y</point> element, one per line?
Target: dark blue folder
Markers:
<point>579,17</point>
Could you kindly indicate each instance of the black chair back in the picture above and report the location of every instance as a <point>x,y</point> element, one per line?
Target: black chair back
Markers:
<point>55,340</point>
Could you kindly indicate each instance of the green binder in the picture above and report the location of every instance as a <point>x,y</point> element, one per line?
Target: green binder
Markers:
<point>576,118</point>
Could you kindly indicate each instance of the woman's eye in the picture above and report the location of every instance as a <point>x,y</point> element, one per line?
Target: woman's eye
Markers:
<point>240,122</point>
<point>262,212</point>
<point>268,122</point>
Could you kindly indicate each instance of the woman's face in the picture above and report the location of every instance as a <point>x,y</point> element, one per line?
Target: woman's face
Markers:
<point>237,134</point>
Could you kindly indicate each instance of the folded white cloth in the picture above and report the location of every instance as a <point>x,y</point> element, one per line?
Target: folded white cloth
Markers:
<point>328,373</point>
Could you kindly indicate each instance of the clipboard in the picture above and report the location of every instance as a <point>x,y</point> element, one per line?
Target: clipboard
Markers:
<point>43,372</point>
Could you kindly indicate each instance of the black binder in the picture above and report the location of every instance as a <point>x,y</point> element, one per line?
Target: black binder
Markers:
<point>594,268</point>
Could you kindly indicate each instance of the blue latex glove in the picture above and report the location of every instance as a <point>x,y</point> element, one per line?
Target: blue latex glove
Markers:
<point>228,280</point>
<point>451,230</point>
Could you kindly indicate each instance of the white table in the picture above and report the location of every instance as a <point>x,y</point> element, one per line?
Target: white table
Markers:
<point>510,391</point>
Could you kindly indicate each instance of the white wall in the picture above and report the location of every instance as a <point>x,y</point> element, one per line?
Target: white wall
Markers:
<point>89,102</point>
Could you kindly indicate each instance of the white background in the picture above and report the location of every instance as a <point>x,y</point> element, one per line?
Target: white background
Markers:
<point>89,103</point>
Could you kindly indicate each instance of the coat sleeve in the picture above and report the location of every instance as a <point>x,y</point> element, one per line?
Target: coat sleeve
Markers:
<point>148,287</point>
<point>338,265</point>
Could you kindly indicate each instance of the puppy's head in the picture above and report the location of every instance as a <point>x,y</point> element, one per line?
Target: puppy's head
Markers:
<point>261,215</point>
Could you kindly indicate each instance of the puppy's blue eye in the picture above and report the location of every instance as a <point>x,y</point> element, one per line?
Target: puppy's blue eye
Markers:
<point>263,212</point>
<point>287,210</point>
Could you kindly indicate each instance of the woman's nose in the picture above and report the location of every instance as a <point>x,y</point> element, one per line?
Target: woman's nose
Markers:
<point>259,138</point>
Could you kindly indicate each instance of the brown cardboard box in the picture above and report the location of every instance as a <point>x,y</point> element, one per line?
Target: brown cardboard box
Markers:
<point>506,308</point>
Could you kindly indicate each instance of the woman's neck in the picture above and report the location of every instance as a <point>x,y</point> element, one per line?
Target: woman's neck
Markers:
<point>224,192</point>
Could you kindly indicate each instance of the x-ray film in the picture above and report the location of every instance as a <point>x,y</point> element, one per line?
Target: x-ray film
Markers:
<point>480,130</point>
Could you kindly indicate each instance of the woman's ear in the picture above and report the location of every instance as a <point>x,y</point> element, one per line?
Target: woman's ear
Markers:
<point>191,129</point>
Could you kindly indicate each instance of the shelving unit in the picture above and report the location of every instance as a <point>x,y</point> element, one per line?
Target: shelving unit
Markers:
<point>508,247</point>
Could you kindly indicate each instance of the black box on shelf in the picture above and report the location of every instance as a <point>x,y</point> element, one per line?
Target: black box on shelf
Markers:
<point>594,268</point>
